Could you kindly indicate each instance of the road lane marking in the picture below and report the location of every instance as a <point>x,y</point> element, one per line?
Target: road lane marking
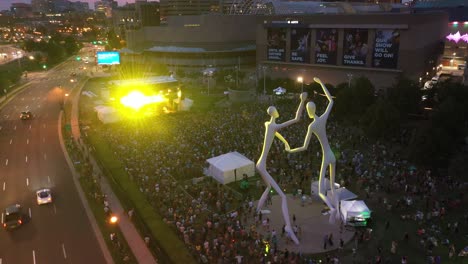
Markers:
<point>14,128</point>
<point>48,179</point>
<point>45,156</point>
<point>6,162</point>
<point>55,209</point>
<point>4,186</point>
<point>27,181</point>
<point>26,158</point>
<point>11,141</point>
<point>43,139</point>
<point>29,127</point>
<point>27,141</point>
<point>0,128</point>
<point>44,125</point>
<point>64,252</point>
<point>30,215</point>
<point>34,257</point>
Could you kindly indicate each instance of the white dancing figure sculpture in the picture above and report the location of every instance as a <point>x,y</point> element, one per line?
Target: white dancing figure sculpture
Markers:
<point>271,130</point>
<point>318,127</point>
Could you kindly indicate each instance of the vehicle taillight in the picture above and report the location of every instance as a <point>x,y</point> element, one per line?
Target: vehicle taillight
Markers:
<point>20,222</point>
<point>4,225</point>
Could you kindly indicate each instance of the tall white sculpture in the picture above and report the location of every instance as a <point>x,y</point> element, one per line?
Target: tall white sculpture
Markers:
<point>271,130</point>
<point>318,127</point>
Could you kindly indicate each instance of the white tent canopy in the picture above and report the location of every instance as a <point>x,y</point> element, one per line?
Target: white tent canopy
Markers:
<point>106,114</point>
<point>279,91</point>
<point>356,210</point>
<point>343,194</point>
<point>229,167</point>
<point>325,186</point>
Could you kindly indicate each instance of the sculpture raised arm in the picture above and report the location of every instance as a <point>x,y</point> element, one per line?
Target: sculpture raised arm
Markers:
<point>299,111</point>
<point>327,94</point>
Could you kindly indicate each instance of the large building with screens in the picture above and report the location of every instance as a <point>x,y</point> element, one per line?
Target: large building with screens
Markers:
<point>338,47</point>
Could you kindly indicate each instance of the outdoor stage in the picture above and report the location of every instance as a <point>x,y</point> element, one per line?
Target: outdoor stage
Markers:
<point>309,218</point>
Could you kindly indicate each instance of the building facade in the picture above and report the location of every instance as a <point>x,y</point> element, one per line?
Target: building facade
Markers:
<point>339,47</point>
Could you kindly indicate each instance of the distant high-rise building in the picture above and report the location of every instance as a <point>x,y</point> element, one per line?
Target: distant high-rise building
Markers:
<point>21,10</point>
<point>105,6</point>
<point>42,6</point>
<point>189,7</point>
<point>148,13</point>
<point>80,6</point>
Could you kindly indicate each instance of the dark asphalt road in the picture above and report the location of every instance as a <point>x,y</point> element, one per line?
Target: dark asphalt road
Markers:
<point>31,158</point>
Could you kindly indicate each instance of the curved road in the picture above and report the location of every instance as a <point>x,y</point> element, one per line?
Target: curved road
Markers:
<point>31,158</point>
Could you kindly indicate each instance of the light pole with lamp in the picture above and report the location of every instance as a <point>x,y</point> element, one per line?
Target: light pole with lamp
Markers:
<point>350,77</point>
<point>300,79</point>
<point>237,77</point>
<point>264,79</point>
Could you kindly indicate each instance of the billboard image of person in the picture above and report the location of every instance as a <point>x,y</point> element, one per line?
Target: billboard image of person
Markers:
<point>386,47</point>
<point>355,47</point>
<point>326,46</point>
<point>276,44</point>
<point>300,45</point>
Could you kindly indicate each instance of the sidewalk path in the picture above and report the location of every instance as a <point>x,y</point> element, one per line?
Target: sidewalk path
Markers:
<point>133,238</point>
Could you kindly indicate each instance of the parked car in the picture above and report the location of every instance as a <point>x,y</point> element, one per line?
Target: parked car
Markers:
<point>428,85</point>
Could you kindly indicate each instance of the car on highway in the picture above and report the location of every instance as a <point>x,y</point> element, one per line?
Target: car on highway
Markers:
<point>44,196</point>
<point>13,217</point>
<point>428,85</point>
<point>25,115</point>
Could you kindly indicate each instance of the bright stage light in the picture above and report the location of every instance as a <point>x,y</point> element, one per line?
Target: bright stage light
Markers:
<point>137,100</point>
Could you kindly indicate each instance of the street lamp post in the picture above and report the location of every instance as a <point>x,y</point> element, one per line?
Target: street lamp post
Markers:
<point>350,77</point>
<point>300,79</point>
<point>264,80</point>
<point>237,77</point>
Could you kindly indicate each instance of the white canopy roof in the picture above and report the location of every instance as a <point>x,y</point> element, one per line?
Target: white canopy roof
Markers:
<point>356,208</point>
<point>229,161</point>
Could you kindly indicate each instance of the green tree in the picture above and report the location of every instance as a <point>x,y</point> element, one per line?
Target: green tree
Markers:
<point>70,45</point>
<point>352,102</point>
<point>381,120</point>
<point>405,95</point>
<point>113,40</point>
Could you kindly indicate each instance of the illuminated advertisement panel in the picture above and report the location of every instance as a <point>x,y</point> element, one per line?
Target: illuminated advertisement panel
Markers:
<point>108,57</point>
<point>355,47</point>
<point>276,46</point>
<point>386,47</point>
<point>300,45</point>
<point>326,46</point>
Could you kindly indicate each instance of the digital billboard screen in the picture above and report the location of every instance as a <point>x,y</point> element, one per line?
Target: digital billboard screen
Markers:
<point>326,46</point>
<point>300,45</point>
<point>108,57</point>
<point>386,47</point>
<point>355,47</point>
<point>276,46</point>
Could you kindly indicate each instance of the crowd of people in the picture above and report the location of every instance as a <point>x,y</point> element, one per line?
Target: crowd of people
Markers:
<point>164,154</point>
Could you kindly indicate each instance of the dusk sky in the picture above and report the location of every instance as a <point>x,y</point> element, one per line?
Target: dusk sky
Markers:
<point>5,4</point>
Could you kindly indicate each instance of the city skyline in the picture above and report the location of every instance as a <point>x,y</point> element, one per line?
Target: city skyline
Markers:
<point>6,4</point>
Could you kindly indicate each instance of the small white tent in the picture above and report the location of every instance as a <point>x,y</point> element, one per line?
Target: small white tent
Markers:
<point>229,167</point>
<point>354,212</point>
<point>325,186</point>
<point>106,114</point>
<point>343,194</point>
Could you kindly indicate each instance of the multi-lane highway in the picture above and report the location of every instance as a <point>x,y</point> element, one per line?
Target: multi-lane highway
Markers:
<point>31,158</point>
